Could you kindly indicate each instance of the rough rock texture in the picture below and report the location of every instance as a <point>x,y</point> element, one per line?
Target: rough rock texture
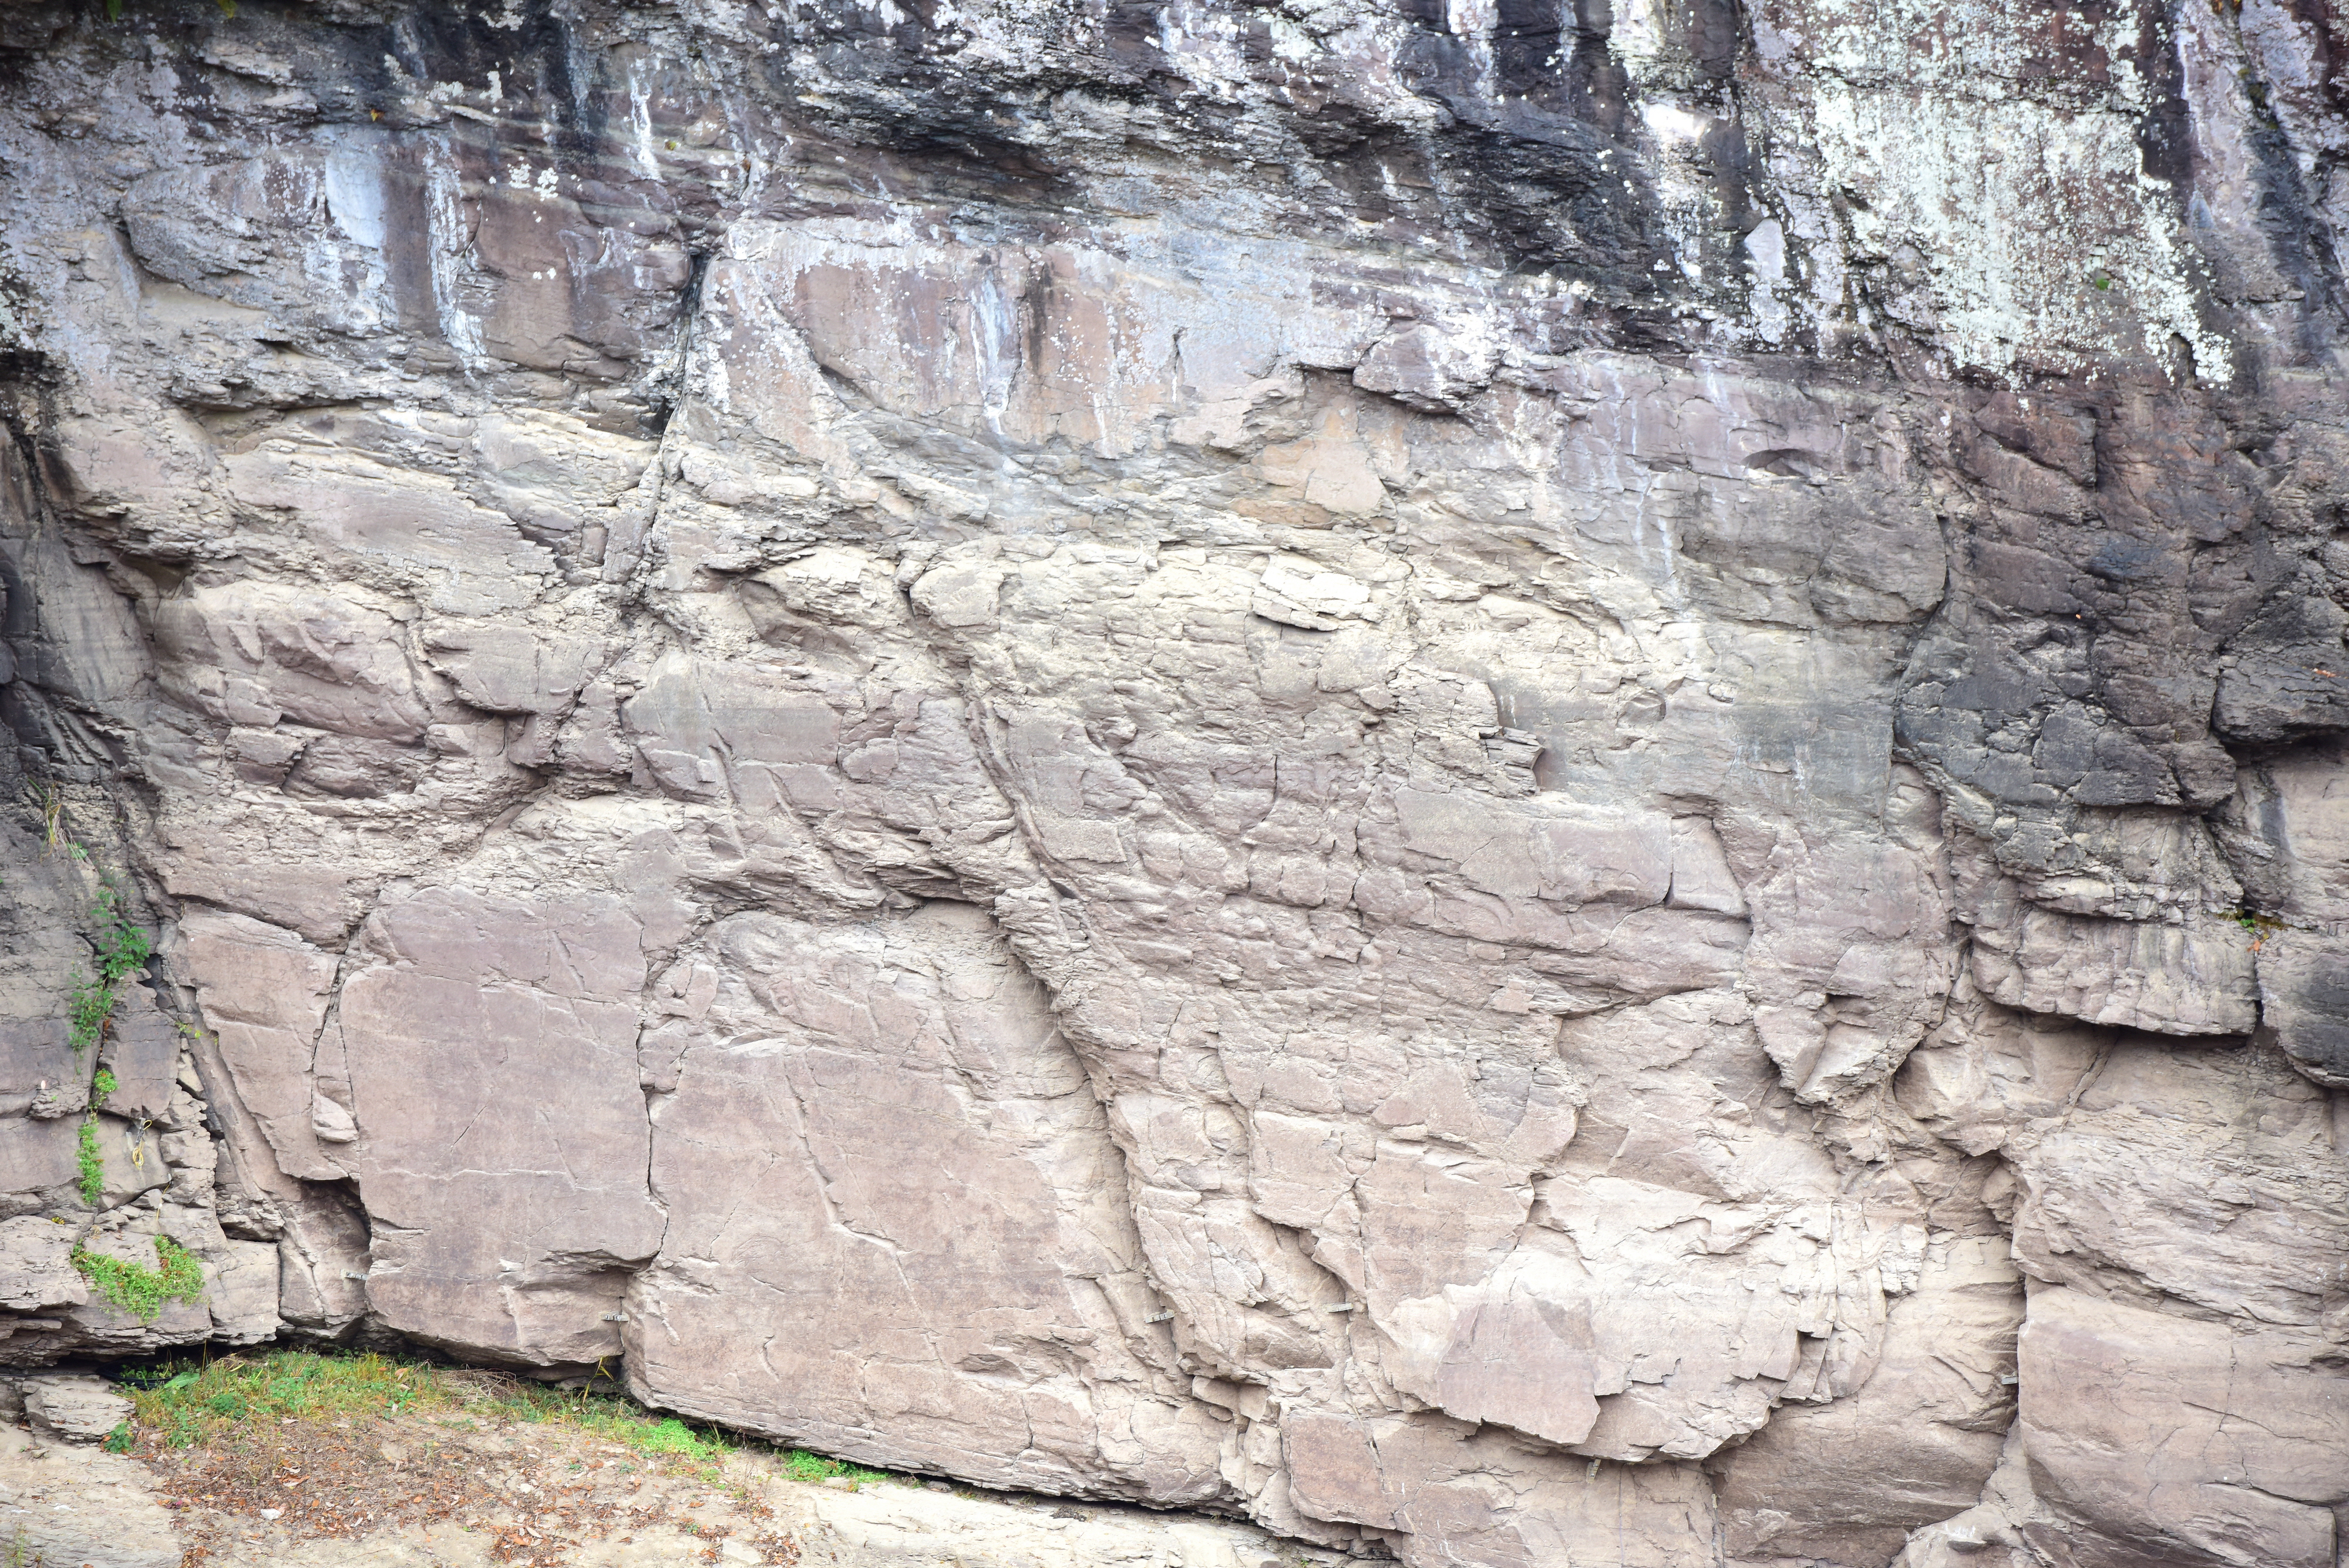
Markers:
<point>75,1407</point>
<point>1519,785</point>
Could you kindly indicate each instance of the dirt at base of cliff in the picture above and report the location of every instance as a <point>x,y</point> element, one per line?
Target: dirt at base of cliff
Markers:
<point>470,1491</point>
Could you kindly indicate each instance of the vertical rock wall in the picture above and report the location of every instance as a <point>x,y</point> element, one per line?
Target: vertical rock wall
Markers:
<point>1522,785</point>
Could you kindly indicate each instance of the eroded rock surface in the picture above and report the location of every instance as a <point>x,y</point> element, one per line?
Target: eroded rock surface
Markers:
<point>1515,785</point>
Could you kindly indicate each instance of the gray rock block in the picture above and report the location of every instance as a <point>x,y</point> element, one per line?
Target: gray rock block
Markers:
<point>75,1408</point>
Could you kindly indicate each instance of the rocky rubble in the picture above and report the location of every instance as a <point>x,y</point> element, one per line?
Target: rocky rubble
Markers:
<point>1510,786</point>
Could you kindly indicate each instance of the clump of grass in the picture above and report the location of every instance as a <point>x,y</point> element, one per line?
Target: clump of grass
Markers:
<point>674,1436</point>
<point>90,1164</point>
<point>298,1438</point>
<point>613,1419</point>
<point>182,1405</point>
<point>185,1403</point>
<point>188,1403</point>
<point>807,1467</point>
<point>139,1291</point>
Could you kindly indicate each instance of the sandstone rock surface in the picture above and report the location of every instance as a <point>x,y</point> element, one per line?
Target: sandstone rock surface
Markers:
<point>75,1406</point>
<point>1515,786</point>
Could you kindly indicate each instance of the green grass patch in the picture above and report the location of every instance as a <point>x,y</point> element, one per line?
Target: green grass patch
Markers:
<point>618,1420</point>
<point>184,1403</point>
<point>138,1291</point>
<point>88,1162</point>
<point>674,1436</point>
<point>803,1466</point>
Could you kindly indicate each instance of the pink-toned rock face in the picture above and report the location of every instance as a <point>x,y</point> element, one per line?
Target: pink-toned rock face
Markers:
<point>927,1217</point>
<point>1518,787</point>
<point>510,1207</point>
<point>2205,1442</point>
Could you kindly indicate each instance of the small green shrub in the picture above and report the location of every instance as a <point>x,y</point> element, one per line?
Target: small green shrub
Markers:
<point>123,949</point>
<point>102,1087</point>
<point>92,1164</point>
<point>91,1004</point>
<point>142,1291</point>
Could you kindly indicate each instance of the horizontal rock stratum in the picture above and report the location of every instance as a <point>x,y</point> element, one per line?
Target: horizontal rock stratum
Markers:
<point>1523,785</point>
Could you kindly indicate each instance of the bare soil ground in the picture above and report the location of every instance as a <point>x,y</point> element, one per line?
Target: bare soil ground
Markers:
<point>527,1496</point>
<point>444,1488</point>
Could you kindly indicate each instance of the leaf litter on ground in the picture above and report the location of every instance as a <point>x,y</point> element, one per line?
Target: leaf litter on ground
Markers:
<point>331,1444</point>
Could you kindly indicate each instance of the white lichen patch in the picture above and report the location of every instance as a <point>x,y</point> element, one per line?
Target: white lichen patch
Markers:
<point>1980,168</point>
<point>2039,235</point>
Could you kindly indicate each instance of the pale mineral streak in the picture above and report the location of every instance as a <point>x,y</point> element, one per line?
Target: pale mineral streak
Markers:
<point>1518,785</point>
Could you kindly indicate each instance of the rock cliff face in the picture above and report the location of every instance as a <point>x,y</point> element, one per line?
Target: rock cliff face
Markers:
<point>1520,784</point>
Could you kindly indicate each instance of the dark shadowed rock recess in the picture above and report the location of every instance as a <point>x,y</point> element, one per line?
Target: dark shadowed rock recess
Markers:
<point>1522,785</point>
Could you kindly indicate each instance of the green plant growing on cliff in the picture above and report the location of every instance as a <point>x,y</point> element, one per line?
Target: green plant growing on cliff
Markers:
<point>92,1164</point>
<point>102,1087</point>
<point>123,950</point>
<point>87,1008</point>
<point>139,1291</point>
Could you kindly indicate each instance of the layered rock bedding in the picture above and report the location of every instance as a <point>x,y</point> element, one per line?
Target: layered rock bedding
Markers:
<point>1510,785</point>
